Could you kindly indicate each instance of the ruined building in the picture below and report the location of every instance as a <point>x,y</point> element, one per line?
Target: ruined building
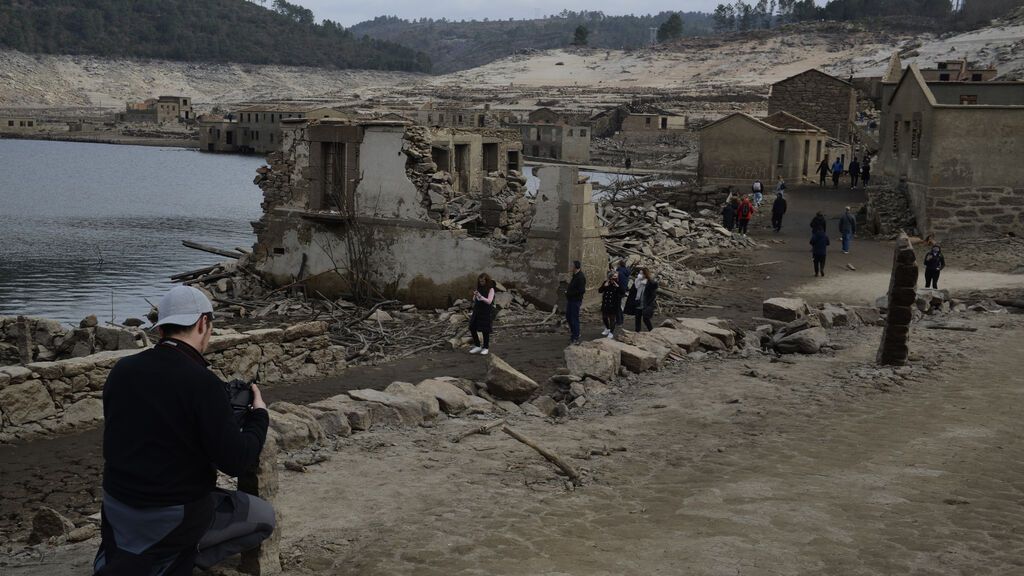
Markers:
<point>739,148</point>
<point>158,110</point>
<point>957,149</point>
<point>556,142</point>
<point>819,98</point>
<point>392,209</point>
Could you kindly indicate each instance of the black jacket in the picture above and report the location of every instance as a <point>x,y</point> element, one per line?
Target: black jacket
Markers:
<point>168,428</point>
<point>934,263</point>
<point>611,297</point>
<point>779,206</point>
<point>818,223</point>
<point>650,300</point>
<point>577,287</point>
<point>729,216</point>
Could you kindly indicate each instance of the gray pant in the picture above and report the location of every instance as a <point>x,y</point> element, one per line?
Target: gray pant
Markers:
<point>163,541</point>
<point>240,522</point>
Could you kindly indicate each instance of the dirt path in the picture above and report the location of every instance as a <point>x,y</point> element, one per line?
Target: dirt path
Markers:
<point>780,473</point>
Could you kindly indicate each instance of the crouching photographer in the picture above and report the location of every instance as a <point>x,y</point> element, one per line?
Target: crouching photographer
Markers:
<point>169,426</point>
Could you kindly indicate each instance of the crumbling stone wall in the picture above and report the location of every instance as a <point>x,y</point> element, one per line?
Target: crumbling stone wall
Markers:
<point>59,396</point>
<point>894,350</point>
<point>825,101</point>
<point>44,339</point>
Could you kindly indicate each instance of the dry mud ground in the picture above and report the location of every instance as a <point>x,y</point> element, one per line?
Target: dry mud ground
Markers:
<point>819,465</point>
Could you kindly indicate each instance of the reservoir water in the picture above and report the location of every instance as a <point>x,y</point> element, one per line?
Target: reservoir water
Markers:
<point>81,224</point>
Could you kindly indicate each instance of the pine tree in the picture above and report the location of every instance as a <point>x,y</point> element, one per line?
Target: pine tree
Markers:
<point>671,29</point>
<point>581,36</point>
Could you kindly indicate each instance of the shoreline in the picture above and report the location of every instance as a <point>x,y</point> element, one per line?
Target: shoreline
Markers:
<point>117,140</point>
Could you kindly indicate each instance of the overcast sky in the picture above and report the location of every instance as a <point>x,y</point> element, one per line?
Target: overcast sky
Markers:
<point>350,12</point>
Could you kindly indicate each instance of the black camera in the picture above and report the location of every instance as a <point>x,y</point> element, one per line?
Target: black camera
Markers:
<point>240,397</point>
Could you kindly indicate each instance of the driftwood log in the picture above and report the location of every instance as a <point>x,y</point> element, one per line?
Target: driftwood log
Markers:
<point>550,456</point>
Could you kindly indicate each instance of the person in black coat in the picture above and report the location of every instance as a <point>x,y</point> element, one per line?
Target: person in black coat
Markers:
<point>818,222</point>
<point>611,301</point>
<point>819,250</point>
<point>934,262</point>
<point>729,216</point>
<point>481,321</point>
<point>643,299</point>
<point>778,211</point>
<point>574,300</point>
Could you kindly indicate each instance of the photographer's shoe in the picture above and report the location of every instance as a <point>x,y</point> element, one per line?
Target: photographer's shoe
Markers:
<point>475,350</point>
<point>484,352</point>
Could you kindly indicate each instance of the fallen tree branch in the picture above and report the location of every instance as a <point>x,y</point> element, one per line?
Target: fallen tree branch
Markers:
<point>210,249</point>
<point>562,465</point>
<point>485,429</point>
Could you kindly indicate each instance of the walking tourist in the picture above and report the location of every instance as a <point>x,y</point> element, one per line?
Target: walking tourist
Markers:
<point>819,249</point>
<point>481,320</point>
<point>574,301</point>
<point>865,173</point>
<point>823,172</point>
<point>744,213</point>
<point>934,262</point>
<point>778,211</point>
<point>611,303</point>
<point>854,172</point>
<point>758,190</point>
<point>847,227</point>
<point>729,215</point>
<point>837,171</point>
<point>643,299</point>
<point>623,273</point>
<point>169,427</point>
<point>818,222</point>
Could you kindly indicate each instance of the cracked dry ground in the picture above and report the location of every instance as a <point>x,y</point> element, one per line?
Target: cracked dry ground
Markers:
<point>816,465</point>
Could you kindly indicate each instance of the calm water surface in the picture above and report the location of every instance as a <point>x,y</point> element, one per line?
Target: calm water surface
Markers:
<point>81,223</point>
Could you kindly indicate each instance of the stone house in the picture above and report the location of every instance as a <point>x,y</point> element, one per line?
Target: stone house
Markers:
<point>819,98</point>
<point>738,149</point>
<point>640,117</point>
<point>259,126</point>
<point>370,203</point>
<point>454,116</point>
<point>18,124</point>
<point>556,142</point>
<point>158,110</point>
<point>958,71</point>
<point>218,134</point>
<point>957,158</point>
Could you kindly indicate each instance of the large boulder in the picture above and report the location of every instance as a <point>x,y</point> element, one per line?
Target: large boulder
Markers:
<point>807,341</point>
<point>867,315</point>
<point>831,315</point>
<point>429,405</point>
<point>652,344</point>
<point>506,383</point>
<point>784,309</point>
<point>409,410</point>
<point>633,358</point>
<point>702,326</point>
<point>591,361</point>
<point>26,402</point>
<point>357,413</point>
<point>85,411</point>
<point>450,397</point>
<point>295,428</point>
<point>333,422</point>
<point>681,339</point>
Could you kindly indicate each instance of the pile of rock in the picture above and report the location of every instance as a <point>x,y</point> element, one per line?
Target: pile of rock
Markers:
<point>789,325</point>
<point>663,237</point>
<point>29,339</point>
<point>889,213</point>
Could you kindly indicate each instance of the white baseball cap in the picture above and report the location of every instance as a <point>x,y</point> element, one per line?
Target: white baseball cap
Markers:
<point>182,306</point>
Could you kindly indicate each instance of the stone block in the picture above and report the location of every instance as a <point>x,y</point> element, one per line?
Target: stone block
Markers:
<point>682,339</point>
<point>409,410</point>
<point>633,358</point>
<point>87,411</point>
<point>784,309</point>
<point>807,341</point>
<point>588,360</point>
<point>16,374</point>
<point>264,335</point>
<point>46,370</point>
<point>219,343</point>
<point>26,402</point>
<point>429,405</point>
<point>451,398</point>
<point>700,325</point>
<point>304,330</point>
<point>506,383</point>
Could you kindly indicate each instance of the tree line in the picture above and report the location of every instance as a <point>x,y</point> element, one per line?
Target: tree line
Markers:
<point>741,15</point>
<point>190,30</point>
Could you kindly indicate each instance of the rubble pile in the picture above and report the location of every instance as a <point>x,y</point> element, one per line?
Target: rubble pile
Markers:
<point>502,209</point>
<point>40,339</point>
<point>889,213</point>
<point>657,235</point>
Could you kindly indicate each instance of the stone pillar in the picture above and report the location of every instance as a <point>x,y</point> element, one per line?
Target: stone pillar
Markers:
<point>265,560</point>
<point>24,341</point>
<point>902,296</point>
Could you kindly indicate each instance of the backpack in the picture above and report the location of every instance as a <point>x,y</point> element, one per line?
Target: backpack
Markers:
<point>745,211</point>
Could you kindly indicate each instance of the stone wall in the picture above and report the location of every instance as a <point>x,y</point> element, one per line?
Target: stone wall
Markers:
<point>26,339</point>
<point>825,101</point>
<point>958,212</point>
<point>57,397</point>
<point>894,349</point>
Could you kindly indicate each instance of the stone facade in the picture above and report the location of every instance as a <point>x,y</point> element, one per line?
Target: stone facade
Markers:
<point>56,397</point>
<point>818,98</point>
<point>959,164</point>
<point>556,142</point>
<point>739,149</point>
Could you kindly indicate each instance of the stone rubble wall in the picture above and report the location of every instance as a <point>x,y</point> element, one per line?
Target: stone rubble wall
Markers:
<point>51,340</point>
<point>60,396</point>
<point>824,102</point>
